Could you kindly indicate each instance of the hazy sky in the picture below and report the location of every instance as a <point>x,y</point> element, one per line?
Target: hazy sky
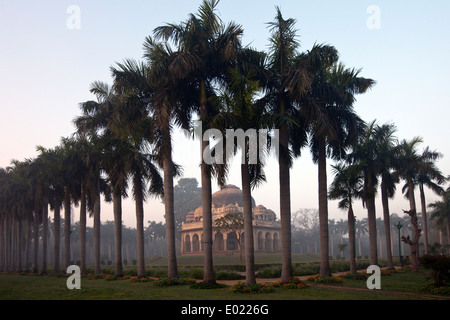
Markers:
<point>51,51</point>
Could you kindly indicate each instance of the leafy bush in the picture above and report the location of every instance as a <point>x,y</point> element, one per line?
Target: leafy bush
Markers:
<point>355,276</point>
<point>203,285</point>
<point>272,272</point>
<point>241,287</point>
<point>228,275</point>
<point>440,266</point>
<point>432,289</point>
<point>167,282</point>
<point>319,279</point>
<point>142,279</point>
<point>293,283</point>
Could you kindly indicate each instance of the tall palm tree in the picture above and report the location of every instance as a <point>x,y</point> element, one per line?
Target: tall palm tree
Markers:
<point>239,101</point>
<point>138,132</point>
<point>206,48</point>
<point>102,116</point>
<point>441,212</point>
<point>17,205</point>
<point>346,186</point>
<point>71,165</point>
<point>410,162</point>
<point>155,93</point>
<point>333,124</point>
<point>386,162</point>
<point>429,175</point>
<point>289,79</point>
<point>91,126</point>
<point>364,154</point>
<point>51,160</point>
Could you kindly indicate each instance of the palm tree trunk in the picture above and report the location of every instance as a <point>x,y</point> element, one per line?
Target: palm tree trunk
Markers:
<point>413,244</point>
<point>248,227</point>
<point>57,236</point>
<point>448,230</point>
<point>117,207</point>
<point>351,238</point>
<point>2,246</point>
<point>5,243</point>
<point>83,230</point>
<point>169,204</point>
<point>285,207</point>
<point>387,224</point>
<point>208,271</point>
<point>36,241</point>
<point>67,229</point>
<point>323,210</point>
<point>140,226</point>
<point>97,225</point>
<point>372,222</point>
<point>44,238</point>
<point>424,218</point>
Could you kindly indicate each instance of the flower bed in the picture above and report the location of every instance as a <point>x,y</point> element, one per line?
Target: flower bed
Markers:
<point>293,283</point>
<point>319,279</point>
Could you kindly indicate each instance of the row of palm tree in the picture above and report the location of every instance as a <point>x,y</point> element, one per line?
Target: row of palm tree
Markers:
<point>306,236</point>
<point>380,160</point>
<point>198,68</point>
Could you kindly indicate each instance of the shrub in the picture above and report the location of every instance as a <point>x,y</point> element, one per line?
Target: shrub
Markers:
<point>293,283</point>
<point>319,279</point>
<point>241,287</point>
<point>440,266</point>
<point>269,273</point>
<point>432,289</point>
<point>167,282</point>
<point>228,275</point>
<point>355,276</point>
<point>203,285</point>
<point>142,279</point>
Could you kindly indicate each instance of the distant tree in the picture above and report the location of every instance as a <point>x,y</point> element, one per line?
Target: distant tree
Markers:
<point>232,222</point>
<point>187,198</point>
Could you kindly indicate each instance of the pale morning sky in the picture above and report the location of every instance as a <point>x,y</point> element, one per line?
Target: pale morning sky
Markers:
<point>51,51</point>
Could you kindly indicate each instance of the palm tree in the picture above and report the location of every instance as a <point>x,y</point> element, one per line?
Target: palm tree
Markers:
<point>410,162</point>
<point>361,229</point>
<point>206,48</point>
<point>289,79</point>
<point>51,160</point>
<point>91,126</point>
<point>239,101</point>
<point>441,212</point>
<point>155,93</point>
<point>429,175</point>
<point>346,186</point>
<point>386,162</point>
<point>71,179</point>
<point>364,154</point>
<point>102,116</point>
<point>333,124</point>
<point>17,205</point>
<point>140,166</point>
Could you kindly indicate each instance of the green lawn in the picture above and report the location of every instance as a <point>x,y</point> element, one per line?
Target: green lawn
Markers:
<point>36,287</point>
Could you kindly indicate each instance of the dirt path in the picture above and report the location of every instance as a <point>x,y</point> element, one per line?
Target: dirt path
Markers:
<point>304,278</point>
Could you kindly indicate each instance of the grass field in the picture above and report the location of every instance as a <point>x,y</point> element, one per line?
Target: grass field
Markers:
<point>396,286</point>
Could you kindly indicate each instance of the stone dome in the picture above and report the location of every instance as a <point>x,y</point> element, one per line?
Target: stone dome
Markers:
<point>229,194</point>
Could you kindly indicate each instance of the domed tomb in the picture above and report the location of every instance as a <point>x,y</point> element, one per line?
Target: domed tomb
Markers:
<point>229,199</point>
<point>229,194</point>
